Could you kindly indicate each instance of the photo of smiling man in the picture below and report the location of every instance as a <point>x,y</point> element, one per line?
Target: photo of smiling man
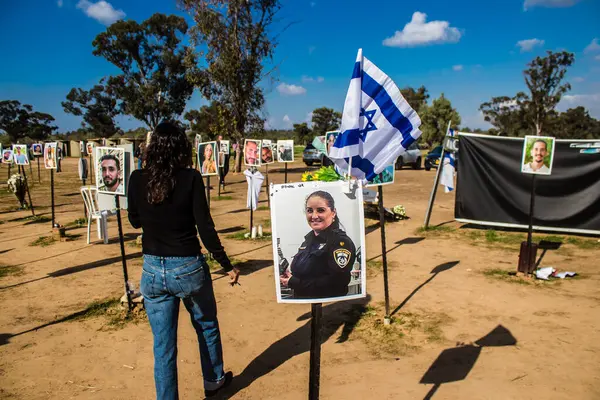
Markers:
<point>252,153</point>
<point>109,170</point>
<point>538,154</point>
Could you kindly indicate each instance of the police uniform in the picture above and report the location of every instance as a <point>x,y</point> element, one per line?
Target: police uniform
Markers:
<point>322,266</point>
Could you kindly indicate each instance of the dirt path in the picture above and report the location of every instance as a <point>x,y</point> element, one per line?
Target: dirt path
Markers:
<point>545,345</point>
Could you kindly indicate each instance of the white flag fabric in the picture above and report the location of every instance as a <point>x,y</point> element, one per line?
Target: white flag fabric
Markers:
<point>447,174</point>
<point>377,125</point>
<point>255,181</point>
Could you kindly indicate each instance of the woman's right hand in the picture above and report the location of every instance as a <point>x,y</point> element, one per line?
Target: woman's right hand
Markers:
<point>234,275</point>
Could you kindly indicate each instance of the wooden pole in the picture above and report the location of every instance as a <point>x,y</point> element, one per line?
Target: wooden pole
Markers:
<point>208,191</point>
<point>314,374</point>
<point>437,180</point>
<point>384,256</point>
<point>267,188</point>
<point>52,196</point>
<point>39,176</point>
<point>285,176</point>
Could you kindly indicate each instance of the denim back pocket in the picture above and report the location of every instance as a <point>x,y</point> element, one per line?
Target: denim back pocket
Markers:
<point>192,281</point>
<point>147,284</point>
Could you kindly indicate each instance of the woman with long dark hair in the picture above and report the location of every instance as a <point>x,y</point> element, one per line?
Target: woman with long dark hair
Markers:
<point>166,199</point>
<point>322,267</point>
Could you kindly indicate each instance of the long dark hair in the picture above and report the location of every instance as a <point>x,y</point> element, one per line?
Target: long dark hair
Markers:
<point>330,203</point>
<point>168,151</point>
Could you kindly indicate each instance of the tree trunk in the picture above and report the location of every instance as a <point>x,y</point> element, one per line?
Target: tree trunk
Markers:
<point>238,159</point>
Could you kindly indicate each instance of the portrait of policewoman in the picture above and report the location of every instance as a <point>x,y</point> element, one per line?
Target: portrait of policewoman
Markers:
<point>322,266</point>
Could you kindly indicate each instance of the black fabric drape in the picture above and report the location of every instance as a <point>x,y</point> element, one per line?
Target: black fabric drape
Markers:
<point>491,188</point>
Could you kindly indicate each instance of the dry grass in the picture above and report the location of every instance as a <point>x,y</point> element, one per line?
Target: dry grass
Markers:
<point>407,333</point>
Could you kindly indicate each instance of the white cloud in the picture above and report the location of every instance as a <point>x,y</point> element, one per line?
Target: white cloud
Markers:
<point>592,47</point>
<point>590,101</point>
<point>286,118</point>
<point>529,44</point>
<point>308,119</point>
<point>287,122</point>
<point>290,90</point>
<point>420,33</point>
<point>578,79</point>
<point>59,3</point>
<point>457,67</point>
<point>311,49</point>
<point>310,79</point>
<point>549,3</point>
<point>101,11</point>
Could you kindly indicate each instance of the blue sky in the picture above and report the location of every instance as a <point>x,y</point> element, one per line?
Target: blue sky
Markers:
<point>469,50</point>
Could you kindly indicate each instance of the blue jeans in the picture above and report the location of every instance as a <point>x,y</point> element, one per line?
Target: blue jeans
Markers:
<point>164,281</point>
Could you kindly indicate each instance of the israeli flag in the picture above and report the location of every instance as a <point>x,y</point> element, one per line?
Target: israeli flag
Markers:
<point>377,126</point>
<point>448,170</point>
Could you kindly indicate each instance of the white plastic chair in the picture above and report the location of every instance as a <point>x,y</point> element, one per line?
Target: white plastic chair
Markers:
<point>90,198</point>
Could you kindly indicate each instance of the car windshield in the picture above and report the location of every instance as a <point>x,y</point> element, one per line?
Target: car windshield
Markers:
<point>309,147</point>
<point>437,150</point>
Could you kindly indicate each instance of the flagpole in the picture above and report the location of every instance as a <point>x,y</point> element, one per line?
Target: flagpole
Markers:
<point>437,179</point>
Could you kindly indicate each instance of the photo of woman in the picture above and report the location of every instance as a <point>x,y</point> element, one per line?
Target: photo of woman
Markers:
<point>207,158</point>
<point>36,149</point>
<point>326,257</point>
<point>7,156</point>
<point>331,136</point>
<point>50,155</point>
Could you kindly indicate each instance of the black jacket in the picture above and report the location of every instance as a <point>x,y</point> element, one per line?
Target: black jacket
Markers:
<point>322,266</point>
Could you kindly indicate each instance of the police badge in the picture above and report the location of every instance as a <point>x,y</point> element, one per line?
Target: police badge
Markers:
<point>341,257</point>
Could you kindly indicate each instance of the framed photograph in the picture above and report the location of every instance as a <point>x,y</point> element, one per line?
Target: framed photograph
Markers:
<point>37,149</point>
<point>207,158</point>
<point>224,146</point>
<point>82,148</point>
<point>538,155</point>
<point>89,146</point>
<point>330,140</point>
<point>50,161</point>
<point>385,177</point>
<point>285,150</point>
<point>20,154</point>
<point>110,165</point>
<point>251,152</point>
<point>318,242</point>
<point>266,152</point>
<point>197,141</point>
<point>221,159</point>
<point>7,156</point>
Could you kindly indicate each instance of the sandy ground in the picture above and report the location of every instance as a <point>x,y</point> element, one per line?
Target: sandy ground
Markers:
<point>545,345</point>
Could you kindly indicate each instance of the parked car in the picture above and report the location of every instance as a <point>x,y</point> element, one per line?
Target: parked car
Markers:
<point>311,155</point>
<point>412,157</point>
<point>432,159</point>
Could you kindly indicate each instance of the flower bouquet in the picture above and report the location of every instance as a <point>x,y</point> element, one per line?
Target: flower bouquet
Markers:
<point>16,185</point>
<point>324,174</point>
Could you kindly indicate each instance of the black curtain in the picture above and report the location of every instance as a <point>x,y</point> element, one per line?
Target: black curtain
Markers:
<point>491,188</point>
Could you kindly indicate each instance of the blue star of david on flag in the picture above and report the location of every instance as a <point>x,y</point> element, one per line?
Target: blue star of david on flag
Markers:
<point>369,126</point>
<point>373,104</point>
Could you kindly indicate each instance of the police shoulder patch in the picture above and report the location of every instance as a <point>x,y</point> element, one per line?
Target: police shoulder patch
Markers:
<point>341,257</point>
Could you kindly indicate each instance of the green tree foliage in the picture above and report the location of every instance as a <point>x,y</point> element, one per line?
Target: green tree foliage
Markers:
<point>544,79</point>
<point>19,121</point>
<point>236,34</point>
<point>435,118</point>
<point>157,71</point>
<point>98,106</point>
<point>303,133</point>
<point>575,123</point>
<point>235,38</point>
<point>210,121</point>
<point>416,98</point>
<point>506,114</point>
<point>325,119</point>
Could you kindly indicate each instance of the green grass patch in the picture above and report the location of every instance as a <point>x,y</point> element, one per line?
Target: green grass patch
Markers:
<point>43,241</point>
<point>241,235</point>
<point>116,315</point>
<point>434,229</point>
<point>79,222</point>
<point>219,198</point>
<point>215,266</point>
<point>10,270</point>
<point>512,277</point>
<point>266,223</point>
<point>263,208</point>
<point>588,244</point>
